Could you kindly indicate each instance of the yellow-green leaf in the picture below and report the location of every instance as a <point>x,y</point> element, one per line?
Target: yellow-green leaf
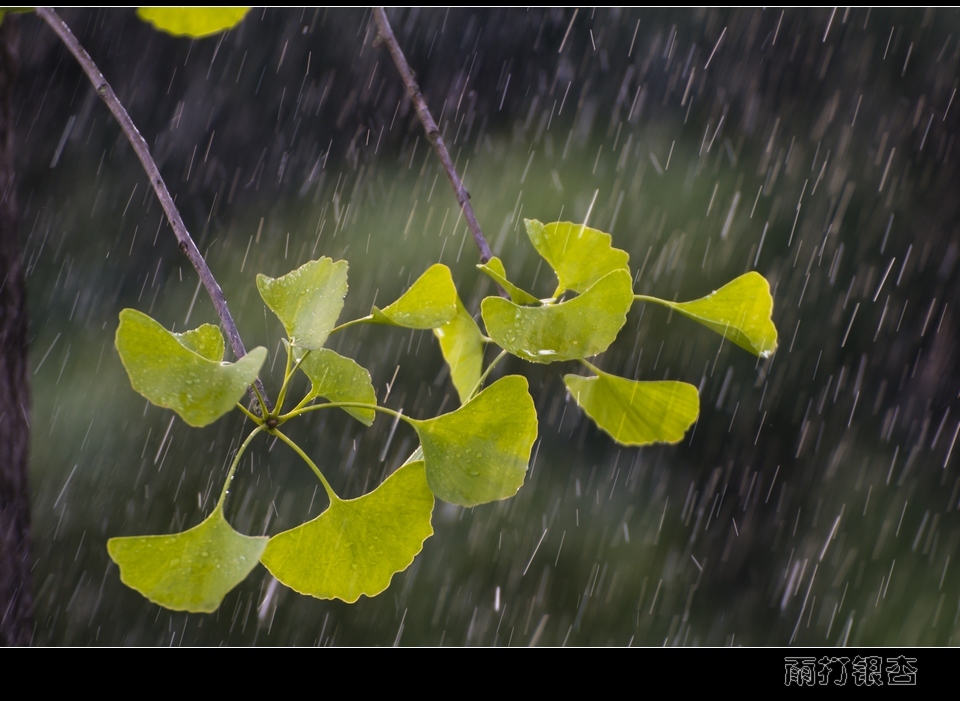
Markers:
<point>340,379</point>
<point>741,311</point>
<point>495,270</point>
<point>636,413</point>
<point>193,22</point>
<point>205,340</point>
<point>462,346</point>
<point>578,254</point>
<point>308,300</point>
<point>430,302</point>
<point>479,453</point>
<point>189,571</point>
<point>578,328</point>
<point>356,546</point>
<point>165,368</point>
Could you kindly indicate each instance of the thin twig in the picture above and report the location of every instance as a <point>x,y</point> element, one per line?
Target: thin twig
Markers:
<point>187,246</point>
<point>413,90</point>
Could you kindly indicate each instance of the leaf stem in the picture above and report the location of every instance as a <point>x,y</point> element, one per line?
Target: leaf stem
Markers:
<point>263,402</point>
<point>362,320</point>
<point>306,458</point>
<point>236,463</point>
<point>250,415</point>
<point>345,405</point>
<point>655,300</point>
<point>433,133</point>
<point>187,245</point>
<point>287,374</point>
<point>483,377</point>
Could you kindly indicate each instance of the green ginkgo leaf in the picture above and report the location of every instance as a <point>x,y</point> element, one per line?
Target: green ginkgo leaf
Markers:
<point>356,546</point>
<point>193,22</point>
<point>189,571</point>
<point>308,300</point>
<point>636,413</point>
<point>578,254</point>
<point>165,368</point>
<point>340,379</point>
<point>578,328</point>
<point>430,302</point>
<point>479,453</point>
<point>495,270</point>
<point>462,346</point>
<point>205,340</point>
<point>740,311</point>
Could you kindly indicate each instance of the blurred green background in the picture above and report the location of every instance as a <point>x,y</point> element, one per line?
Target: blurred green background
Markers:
<point>815,501</point>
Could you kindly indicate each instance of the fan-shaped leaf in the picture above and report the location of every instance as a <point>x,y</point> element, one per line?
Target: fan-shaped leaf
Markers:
<point>636,413</point>
<point>165,369</point>
<point>340,379</point>
<point>356,546</point>
<point>462,346</point>
<point>479,452</point>
<point>189,571</point>
<point>579,328</point>
<point>193,22</point>
<point>495,270</point>
<point>430,302</point>
<point>205,340</point>
<point>740,311</point>
<point>578,254</point>
<point>308,300</point>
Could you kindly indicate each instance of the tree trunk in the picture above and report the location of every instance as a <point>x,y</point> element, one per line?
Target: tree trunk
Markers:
<point>15,594</point>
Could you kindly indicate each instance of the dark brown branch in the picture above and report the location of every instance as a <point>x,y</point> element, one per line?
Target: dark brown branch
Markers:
<point>423,112</point>
<point>187,246</point>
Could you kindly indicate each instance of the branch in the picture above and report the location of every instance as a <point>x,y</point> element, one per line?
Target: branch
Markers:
<point>187,246</point>
<point>423,112</point>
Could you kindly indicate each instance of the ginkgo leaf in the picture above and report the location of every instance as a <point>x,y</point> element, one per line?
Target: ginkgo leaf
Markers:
<point>205,340</point>
<point>340,379</point>
<point>741,311</point>
<point>462,346</point>
<point>430,302</point>
<point>357,545</point>
<point>636,413</point>
<point>195,22</point>
<point>578,254</point>
<point>479,453</point>
<point>495,270</point>
<point>308,300</point>
<point>189,571</point>
<point>578,328</point>
<point>165,369</point>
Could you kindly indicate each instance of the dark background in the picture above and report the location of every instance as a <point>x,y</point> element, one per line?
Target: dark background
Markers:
<point>815,502</point>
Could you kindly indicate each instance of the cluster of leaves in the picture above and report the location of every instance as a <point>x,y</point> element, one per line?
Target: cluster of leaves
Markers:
<point>473,455</point>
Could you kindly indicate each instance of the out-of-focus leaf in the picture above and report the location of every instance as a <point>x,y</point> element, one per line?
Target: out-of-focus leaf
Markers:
<point>189,571</point>
<point>356,546</point>
<point>578,254</point>
<point>165,368</point>
<point>578,328</point>
<point>479,453</point>
<point>195,22</point>
<point>308,300</point>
